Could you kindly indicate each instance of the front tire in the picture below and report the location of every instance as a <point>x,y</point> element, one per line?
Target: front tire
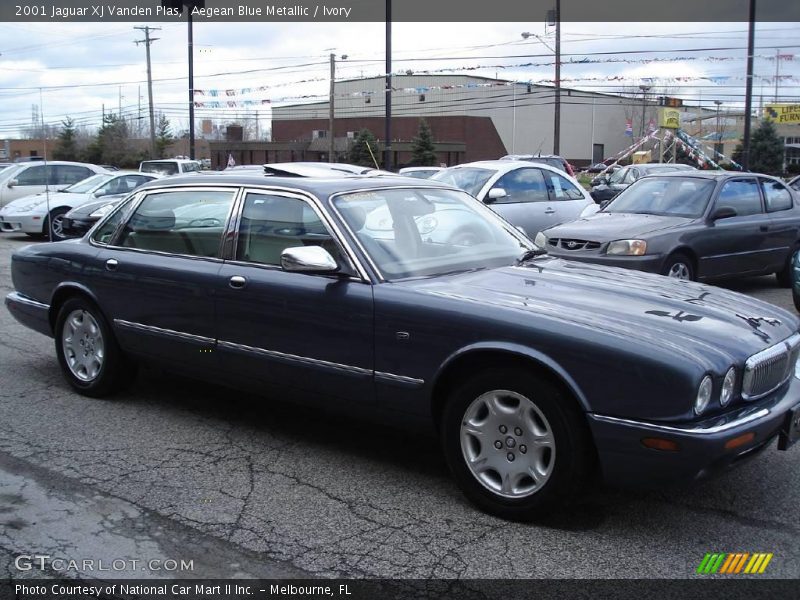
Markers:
<point>679,266</point>
<point>87,351</point>
<point>516,444</point>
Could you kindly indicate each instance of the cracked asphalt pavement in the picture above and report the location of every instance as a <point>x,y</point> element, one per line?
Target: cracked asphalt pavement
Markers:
<point>249,487</point>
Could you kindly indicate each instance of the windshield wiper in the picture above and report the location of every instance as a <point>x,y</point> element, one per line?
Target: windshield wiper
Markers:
<point>531,253</point>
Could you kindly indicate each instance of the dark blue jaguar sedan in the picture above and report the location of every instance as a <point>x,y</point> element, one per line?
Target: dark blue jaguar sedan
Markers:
<point>537,372</point>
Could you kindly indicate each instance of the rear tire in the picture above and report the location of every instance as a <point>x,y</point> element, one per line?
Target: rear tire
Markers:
<point>517,446</point>
<point>785,275</point>
<point>53,224</point>
<point>87,351</point>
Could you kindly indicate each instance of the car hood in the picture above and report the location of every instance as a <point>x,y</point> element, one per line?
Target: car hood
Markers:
<point>690,318</point>
<point>88,208</point>
<point>606,227</point>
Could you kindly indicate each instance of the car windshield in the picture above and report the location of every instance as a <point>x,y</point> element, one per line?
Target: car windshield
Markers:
<point>469,179</point>
<point>670,196</point>
<point>89,184</point>
<point>618,176</point>
<point>418,232</point>
<point>9,172</point>
<point>162,167</point>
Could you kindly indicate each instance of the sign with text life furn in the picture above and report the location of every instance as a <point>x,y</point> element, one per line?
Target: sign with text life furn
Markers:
<point>782,113</point>
<point>669,118</point>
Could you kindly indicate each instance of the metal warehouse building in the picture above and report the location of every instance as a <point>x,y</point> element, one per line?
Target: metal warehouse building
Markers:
<point>471,118</point>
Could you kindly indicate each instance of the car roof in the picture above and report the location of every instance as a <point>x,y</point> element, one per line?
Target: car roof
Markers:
<point>321,186</point>
<point>717,174</point>
<point>504,164</point>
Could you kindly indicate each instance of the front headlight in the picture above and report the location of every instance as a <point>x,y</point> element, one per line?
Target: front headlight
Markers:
<point>627,247</point>
<point>102,211</point>
<point>540,240</point>
<point>728,384</point>
<point>703,395</point>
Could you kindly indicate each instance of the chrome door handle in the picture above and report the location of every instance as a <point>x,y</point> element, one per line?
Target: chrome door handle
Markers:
<point>549,211</point>
<point>111,264</point>
<point>237,282</point>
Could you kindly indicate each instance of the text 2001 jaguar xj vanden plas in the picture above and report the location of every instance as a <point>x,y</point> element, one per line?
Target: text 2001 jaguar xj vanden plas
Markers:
<point>536,372</point>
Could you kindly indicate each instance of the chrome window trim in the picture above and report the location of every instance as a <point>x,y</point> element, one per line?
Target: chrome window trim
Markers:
<point>319,209</point>
<point>331,201</point>
<point>686,430</point>
<point>164,332</point>
<point>137,202</point>
<point>294,358</point>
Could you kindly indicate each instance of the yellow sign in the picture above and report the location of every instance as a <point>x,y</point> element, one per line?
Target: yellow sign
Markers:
<point>669,118</point>
<point>782,113</point>
<point>643,156</point>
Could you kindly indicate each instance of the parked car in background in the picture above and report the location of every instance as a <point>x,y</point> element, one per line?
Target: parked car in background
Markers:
<point>26,178</point>
<point>170,166</point>
<point>33,214</point>
<point>528,195</point>
<point>488,344</point>
<point>609,186</point>
<point>419,172</point>
<point>690,225</point>
<point>559,162</point>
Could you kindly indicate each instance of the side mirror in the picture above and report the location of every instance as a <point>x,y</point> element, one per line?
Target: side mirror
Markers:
<point>495,194</point>
<point>308,259</point>
<point>723,212</point>
<point>12,183</point>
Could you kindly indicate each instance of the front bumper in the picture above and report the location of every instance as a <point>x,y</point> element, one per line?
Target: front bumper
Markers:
<point>651,263</point>
<point>30,312</point>
<point>626,461</point>
<point>21,223</point>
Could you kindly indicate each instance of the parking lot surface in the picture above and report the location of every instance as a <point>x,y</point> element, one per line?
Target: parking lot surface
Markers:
<point>242,485</point>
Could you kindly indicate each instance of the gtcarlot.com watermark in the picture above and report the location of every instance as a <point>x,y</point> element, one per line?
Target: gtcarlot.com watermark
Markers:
<point>45,562</point>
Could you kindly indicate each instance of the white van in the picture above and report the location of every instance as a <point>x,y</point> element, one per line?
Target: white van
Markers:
<point>170,166</point>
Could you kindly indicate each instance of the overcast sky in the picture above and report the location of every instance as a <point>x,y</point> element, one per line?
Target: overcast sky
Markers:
<point>292,59</point>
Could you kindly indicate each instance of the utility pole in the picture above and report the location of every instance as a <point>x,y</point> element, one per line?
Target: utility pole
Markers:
<point>147,41</point>
<point>748,98</point>
<point>387,160</point>
<point>557,111</point>
<point>191,85</point>
<point>645,89</point>
<point>777,71</point>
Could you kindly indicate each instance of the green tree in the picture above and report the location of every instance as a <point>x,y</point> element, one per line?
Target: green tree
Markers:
<point>359,153</point>
<point>66,147</point>
<point>112,146</point>
<point>164,136</point>
<point>423,152</point>
<point>766,150</point>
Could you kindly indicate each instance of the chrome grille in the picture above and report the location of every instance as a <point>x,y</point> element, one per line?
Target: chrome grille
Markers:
<point>570,244</point>
<point>769,369</point>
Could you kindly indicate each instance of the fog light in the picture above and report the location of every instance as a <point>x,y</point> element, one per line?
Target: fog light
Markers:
<point>660,444</point>
<point>740,440</point>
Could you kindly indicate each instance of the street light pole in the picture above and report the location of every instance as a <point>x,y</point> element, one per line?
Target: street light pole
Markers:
<point>331,140</point>
<point>191,87</point>
<point>387,157</point>
<point>748,97</point>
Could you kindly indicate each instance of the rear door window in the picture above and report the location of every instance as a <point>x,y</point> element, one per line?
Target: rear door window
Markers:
<point>188,222</point>
<point>742,195</point>
<point>561,188</point>
<point>776,195</point>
